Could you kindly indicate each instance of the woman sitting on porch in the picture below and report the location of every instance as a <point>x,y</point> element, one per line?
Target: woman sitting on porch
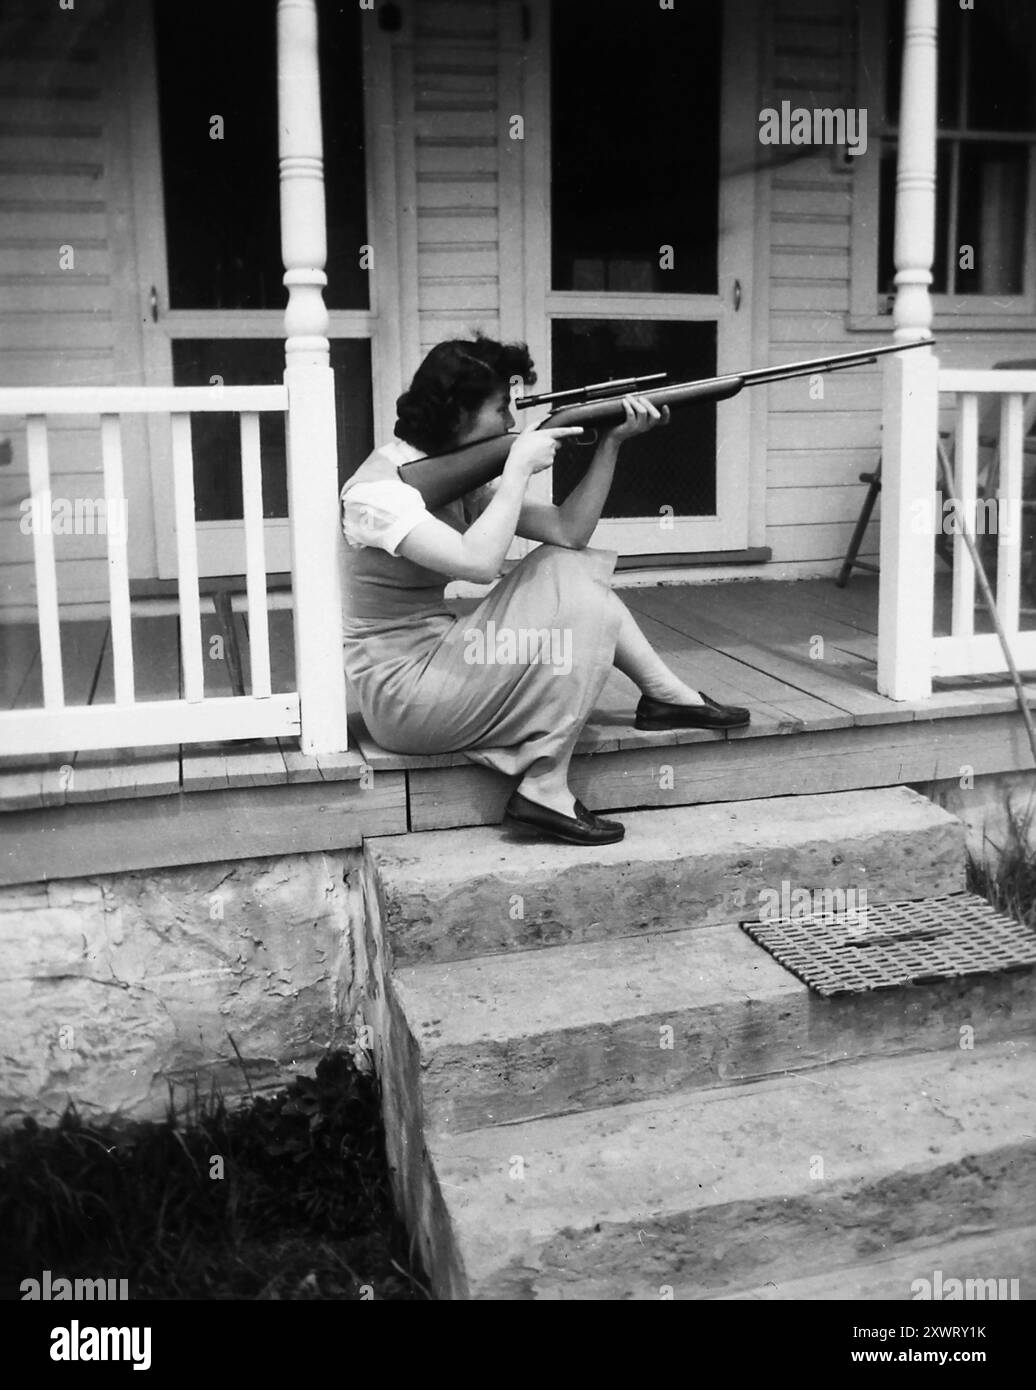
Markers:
<point>485,684</point>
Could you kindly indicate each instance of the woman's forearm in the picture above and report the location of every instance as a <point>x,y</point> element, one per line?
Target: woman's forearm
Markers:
<point>489,538</point>
<point>581,509</point>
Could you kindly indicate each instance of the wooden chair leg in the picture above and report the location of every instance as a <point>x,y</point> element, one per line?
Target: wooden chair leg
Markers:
<point>851,562</point>
<point>225,616</point>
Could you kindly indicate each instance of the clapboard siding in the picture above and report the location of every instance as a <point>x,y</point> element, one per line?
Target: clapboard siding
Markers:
<point>795,200</point>
<point>816,233</point>
<point>439,192</point>
<point>75,295</point>
<point>74,577</point>
<point>816,448</point>
<point>464,157</point>
<point>59,324</point>
<point>790,468</point>
<point>856,389</point>
<point>434,123</point>
<point>481,296</point>
<point>809,263</point>
<point>35,366</point>
<point>831,295</point>
<point>797,506</point>
<point>828,431</point>
<point>458,24</point>
<point>820,544</point>
<point>25,261</point>
<point>457,124</point>
<point>439,228</point>
<point>440,262</point>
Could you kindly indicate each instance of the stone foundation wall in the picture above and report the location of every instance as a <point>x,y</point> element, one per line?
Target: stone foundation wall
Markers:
<point>117,986</point>
<point>981,804</point>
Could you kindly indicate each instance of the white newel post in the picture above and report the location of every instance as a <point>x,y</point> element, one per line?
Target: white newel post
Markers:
<point>312,443</point>
<point>910,411</point>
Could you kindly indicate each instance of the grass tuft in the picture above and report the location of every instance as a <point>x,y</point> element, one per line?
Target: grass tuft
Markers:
<point>303,1209</point>
<point>1006,877</point>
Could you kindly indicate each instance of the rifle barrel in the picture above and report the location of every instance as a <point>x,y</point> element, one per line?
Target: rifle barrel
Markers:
<point>837,362</point>
<point>592,413</point>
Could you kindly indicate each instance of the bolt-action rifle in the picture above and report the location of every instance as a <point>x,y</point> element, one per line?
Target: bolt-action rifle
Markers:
<point>442,478</point>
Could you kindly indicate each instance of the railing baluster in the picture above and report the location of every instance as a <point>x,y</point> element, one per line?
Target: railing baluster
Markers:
<point>255,554</point>
<point>962,622</point>
<point>116,504</point>
<point>187,561</point>
<point>45,567</point>
<point>1009,518</point>
<point>192,717</point>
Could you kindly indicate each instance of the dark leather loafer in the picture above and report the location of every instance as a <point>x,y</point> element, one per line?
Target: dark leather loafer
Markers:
<point>659,714</point>
<point>595,819</point>
<point>582,829</point>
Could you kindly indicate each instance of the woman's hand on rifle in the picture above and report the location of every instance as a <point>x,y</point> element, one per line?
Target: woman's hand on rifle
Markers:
<point>534,449</point>
<point>641,416</point>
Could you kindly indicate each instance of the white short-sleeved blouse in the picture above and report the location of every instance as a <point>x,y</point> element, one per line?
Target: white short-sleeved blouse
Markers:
<point>381,513</point>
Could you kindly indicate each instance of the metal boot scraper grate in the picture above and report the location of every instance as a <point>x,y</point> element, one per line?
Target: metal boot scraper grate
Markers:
<point>894,944</point>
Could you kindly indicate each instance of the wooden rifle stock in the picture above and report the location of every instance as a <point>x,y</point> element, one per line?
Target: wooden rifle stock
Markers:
<point>442,478</point>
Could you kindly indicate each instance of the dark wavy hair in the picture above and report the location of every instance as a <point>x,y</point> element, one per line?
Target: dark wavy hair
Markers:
<point>456,377</point>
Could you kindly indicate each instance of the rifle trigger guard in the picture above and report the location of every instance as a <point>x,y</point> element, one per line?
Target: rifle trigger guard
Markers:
<point>589,439</point>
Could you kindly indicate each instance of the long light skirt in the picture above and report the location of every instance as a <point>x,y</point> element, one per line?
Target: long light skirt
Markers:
<point>510,684</point>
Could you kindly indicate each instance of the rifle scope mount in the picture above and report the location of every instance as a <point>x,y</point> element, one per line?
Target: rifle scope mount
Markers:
<point>599,390</point>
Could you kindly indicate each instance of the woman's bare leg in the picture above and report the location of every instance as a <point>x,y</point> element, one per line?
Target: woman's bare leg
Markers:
<point>635,657</point>
<point>550,790</point>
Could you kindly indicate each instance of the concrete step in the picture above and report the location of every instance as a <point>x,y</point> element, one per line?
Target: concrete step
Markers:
<point>923,1271</point>
<point>453,895</point>
<point>700,1194</point>
<point>513,1037</point>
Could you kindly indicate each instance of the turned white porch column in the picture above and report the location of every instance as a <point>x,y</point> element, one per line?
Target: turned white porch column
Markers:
<point>910,419</point>
<point>312,443</point>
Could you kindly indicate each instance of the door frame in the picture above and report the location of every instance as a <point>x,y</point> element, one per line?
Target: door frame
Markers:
<point>525,277</point>
<point>221,543</point>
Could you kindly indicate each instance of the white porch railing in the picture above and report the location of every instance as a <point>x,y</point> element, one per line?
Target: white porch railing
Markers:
<point>128,722</point>
<point>988,500</point>
<point>988,505</point>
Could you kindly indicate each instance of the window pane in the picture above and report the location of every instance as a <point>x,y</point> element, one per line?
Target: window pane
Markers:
<point>222,195</point>
<point>950,36</point>
<point>354,403</point>
<point>950,32</point>
<point>893,58</point>
<point>345,188</point>
<point>222,223</point>
<point>673,466</point>
<point>887,216</point>
<point>635,145</point>
<point>1001,64</point>
<point>992,217</point>
<point>216,437</point>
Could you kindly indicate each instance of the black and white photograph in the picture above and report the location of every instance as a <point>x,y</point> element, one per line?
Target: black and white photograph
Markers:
<point>518,652</point>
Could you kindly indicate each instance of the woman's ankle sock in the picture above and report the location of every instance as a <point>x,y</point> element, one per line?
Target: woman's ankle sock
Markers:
<point>670,689</point>
<point>553,800</point>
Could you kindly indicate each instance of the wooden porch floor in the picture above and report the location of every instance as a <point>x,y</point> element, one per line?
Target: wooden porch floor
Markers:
<point>800,655</point>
